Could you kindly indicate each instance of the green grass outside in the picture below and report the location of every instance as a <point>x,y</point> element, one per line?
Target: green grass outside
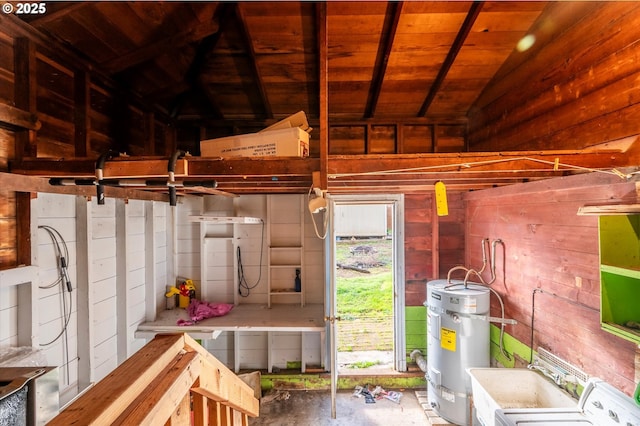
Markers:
<point>365,300</point>
<point>367,295</point>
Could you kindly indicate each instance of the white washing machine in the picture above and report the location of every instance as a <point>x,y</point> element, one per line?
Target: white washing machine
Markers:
<point>600,405</point>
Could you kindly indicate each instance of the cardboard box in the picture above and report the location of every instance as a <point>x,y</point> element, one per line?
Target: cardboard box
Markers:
<point>292,142</point>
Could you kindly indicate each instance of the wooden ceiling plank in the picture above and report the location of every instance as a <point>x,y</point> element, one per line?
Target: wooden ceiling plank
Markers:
<point>253,65</point>
<point>474,11</point>
<point>55,11</point>
<point>162,46</point>
<point>390,26</point>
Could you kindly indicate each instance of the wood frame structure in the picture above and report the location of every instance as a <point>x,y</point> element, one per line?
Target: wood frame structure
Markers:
<point>160,384</point>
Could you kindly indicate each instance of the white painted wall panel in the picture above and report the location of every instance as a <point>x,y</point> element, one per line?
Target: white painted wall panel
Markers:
<point>221,348</point>
<point>9,322</point>
<point>105,361</point>
<point>253,353</point>
<point>104,289</point>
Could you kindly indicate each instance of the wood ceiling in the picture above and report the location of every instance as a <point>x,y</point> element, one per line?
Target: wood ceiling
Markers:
<point>259,60</point>
<point>249,64</point>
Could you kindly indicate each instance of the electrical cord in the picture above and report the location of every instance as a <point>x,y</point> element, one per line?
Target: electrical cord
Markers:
<point>244,288</point>
<point>61,252</point>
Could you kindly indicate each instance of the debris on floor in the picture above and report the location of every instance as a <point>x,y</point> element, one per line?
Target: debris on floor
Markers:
<point>378,393</point>
<point>275,395</point>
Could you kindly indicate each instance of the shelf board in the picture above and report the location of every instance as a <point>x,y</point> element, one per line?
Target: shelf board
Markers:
<point>627,333</point>
<point>225,219</point>
<point>626,272</point>
<point>287,266</point>
<point>609,210</point>
<point>284,291</point>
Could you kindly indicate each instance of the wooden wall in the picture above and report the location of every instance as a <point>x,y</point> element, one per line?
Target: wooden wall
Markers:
<point>433,244</point>
<point>8,222</point>
<point>549,248</point>
<point>395,138</point>
<point>576,87</point>
<point>82,114</point>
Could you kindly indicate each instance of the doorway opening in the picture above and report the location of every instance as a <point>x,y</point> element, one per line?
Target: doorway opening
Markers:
<point>364,278</point>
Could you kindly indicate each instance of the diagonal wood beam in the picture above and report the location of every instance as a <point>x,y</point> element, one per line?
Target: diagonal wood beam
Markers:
<point>255,71</point>
<point>159,47</point>
<point>474,11</point>
<point>222,14</point>
<point>389,28</point>
<point>54,12</point>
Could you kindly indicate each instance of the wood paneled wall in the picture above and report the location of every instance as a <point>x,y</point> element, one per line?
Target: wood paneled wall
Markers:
<point>433,244</point>
<point>82,115</point>
<point>575,87</point>
<point>549,248</point>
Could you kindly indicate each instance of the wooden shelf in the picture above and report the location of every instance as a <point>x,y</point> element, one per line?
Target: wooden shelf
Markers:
<point>225,219</point>
<point>620,274</point>
<point>285,233</point>
<point>617,270</point>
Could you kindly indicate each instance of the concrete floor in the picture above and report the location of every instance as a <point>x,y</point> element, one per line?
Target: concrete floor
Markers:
<point>303,408</point>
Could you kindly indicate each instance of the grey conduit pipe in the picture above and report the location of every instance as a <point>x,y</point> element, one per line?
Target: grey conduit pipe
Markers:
<point>419,359</point>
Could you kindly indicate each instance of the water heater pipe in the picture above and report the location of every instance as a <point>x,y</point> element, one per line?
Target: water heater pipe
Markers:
<point>417,356</point>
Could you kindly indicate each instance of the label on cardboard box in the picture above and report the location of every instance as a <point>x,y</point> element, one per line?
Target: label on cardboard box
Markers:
<point>292,142</point>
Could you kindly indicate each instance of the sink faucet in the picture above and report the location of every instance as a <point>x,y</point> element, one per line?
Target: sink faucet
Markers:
<point>556,377</point>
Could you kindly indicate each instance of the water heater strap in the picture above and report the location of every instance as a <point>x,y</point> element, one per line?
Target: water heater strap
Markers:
<point>484,318</point>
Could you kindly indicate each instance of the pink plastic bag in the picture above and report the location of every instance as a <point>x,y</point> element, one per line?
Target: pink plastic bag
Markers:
<point>199,310</point>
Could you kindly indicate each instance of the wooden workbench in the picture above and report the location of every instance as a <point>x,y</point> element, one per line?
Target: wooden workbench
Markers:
<point>244,317</point>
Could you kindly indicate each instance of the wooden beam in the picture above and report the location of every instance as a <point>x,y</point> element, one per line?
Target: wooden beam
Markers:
<point>22,183</point>
<point>82,119</point>
<point>55,11</point>
<point>25,93</point>
<point>159,47</point>
<point>253,65</point>
<point>13,117</point>
<point>223,15</point>
<point>389,28</point>
<point>323,80</point>
<point>108,398</point>
<point>474,11</point>
<point>116,168</point>
<point>23,227</point>
<point>476,161</point>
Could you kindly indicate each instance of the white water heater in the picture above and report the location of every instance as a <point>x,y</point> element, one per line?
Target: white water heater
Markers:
<point>457,339</point>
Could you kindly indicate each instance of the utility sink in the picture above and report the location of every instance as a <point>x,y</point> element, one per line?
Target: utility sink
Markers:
<point>497,388</point>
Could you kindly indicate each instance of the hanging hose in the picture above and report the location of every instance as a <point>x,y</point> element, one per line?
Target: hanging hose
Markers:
<point>61,252</point>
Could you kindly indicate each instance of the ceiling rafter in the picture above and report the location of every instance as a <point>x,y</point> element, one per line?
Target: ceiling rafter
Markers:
<point>153,50</point>
<point>389,27</point>
<point>253,65</point>
<point>55,11</point>
<point>474,11</point>
<point>222,15</point>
